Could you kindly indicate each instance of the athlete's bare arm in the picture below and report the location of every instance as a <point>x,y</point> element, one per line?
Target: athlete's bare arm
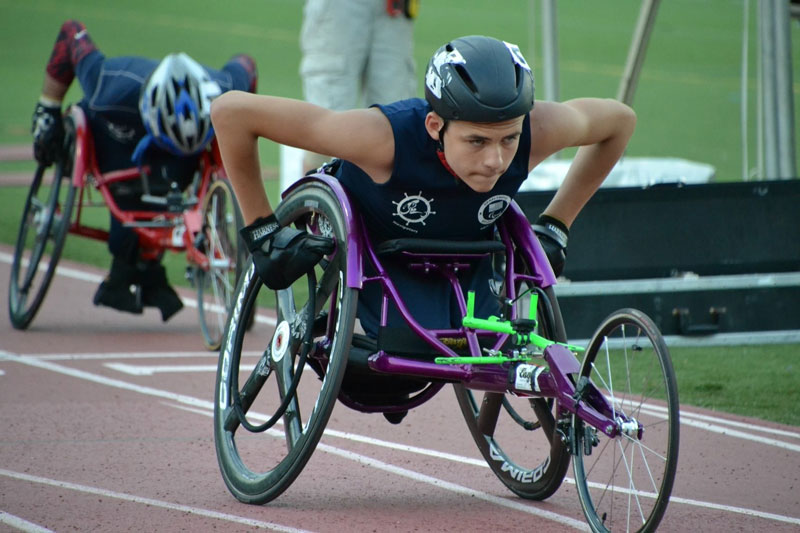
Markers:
<point>52,89</point>
<point>362,136</point>
<point>600,127</point>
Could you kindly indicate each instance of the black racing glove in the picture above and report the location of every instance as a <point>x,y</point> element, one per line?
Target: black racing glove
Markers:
<point>47,128</point>
<point>553,235</point>
<point>282,255</point>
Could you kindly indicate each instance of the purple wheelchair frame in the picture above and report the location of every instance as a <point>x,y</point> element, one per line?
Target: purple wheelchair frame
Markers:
<point>560,381</point>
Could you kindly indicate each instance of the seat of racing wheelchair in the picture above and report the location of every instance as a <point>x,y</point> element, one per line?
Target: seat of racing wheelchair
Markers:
<point>366,386</point>
<point>374,388</point>
<point>371,387</point>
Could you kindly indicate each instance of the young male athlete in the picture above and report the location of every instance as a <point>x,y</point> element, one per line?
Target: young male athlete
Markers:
<point>140,111</point>
<point>445,167</point>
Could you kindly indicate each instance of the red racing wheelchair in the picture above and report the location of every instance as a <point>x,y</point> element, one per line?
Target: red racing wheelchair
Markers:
<point>203,221</point>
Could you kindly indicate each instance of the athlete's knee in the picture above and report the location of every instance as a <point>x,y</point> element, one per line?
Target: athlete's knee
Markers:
<point>249,65</point>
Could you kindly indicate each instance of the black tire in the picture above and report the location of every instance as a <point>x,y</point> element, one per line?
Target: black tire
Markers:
<point>216,286</point>
<point>258,467</point>
<point>42,232</point>
<point>624,483</point>
<point>505,426</point>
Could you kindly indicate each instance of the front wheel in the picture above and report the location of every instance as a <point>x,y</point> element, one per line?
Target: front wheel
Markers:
<point>624,484</point>
<point>42,232</point>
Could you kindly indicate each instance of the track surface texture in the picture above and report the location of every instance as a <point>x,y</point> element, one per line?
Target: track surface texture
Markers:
<point>107,426</point>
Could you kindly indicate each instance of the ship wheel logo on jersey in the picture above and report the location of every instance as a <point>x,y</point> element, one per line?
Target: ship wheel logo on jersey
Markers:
<point>413,209</point>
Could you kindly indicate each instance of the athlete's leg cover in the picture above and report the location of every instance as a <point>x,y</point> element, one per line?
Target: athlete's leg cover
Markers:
<point>72,44</point>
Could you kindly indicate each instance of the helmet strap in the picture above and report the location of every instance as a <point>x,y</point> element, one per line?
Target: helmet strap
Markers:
<point>141,147</point>
<point>440,152</point>
<point>445,164</point>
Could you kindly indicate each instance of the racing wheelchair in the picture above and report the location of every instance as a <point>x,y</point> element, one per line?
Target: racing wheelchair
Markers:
<point>532,402</point>
<point>203,221</point>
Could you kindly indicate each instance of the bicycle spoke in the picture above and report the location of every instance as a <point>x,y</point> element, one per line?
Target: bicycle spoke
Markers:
<point>629,362</point>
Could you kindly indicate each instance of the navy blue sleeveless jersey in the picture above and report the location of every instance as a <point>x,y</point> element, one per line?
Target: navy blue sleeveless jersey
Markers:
<point>422,199</point>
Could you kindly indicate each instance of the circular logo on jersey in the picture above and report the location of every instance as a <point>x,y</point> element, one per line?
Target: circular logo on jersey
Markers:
<point>492,208</point>
<point>413,209</point>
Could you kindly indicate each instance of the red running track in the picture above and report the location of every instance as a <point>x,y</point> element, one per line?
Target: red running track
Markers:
<point>106,426</point>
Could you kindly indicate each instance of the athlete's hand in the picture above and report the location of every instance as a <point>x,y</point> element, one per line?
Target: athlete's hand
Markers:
<point>47,128</point>
<point>553,235</point>
<point>282,255</point>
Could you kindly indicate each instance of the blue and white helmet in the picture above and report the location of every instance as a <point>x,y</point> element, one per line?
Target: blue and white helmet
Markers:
<point>175,106</point>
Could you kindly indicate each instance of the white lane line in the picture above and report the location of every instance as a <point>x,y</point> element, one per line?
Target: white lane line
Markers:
<point>687,419</point>
<point>82,275</point>
<point>453,487</point>
<point>21,524</point>
<point>102,380</point>
<point>470,461</point>
<point>743,425</point>
<point>704,422</point>
<point>698,421</point>
<point>658,410</point>
<point>130,355</point>
<point>363,439</point>
<point>143,370</point>
<point>423,478</point>
<point>149,501</point>
<point>715,427</point>
<point>737,510</point>
<point>206,408</point>
<point>138,370</point>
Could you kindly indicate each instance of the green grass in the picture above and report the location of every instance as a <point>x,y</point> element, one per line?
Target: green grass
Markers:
<point>688,100</point>
<point>750,380</point>
<point>756,381</point>
<point>688,105</point>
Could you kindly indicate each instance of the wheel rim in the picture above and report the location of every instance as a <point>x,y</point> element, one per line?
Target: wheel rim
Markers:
<point>216,285</point>
<point>259,467</point>
<point>625,483</point>
<point>41,236</point>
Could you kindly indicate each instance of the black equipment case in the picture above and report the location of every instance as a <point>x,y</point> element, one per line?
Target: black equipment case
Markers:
<point>702,260</point>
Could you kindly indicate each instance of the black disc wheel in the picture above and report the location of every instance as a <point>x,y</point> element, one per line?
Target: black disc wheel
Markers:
<point>517,436</point>
<point>276,386</point>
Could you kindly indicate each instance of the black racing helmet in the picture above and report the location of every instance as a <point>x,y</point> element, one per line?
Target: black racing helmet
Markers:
<point>479,79</point>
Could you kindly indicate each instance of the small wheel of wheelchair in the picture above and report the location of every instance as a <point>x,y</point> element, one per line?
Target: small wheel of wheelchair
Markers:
<point>42,232</point>
<point>517,436</point>
<point>625,483</point>
<point>221,244</point>
<point>259,462</point>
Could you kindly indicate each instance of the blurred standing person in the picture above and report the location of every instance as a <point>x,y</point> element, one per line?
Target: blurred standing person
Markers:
<point>356,53</point>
